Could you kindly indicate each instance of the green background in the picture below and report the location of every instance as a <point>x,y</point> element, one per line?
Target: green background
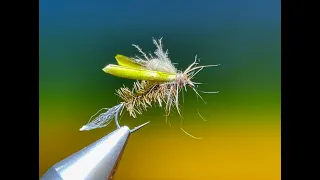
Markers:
<point>241,137</point>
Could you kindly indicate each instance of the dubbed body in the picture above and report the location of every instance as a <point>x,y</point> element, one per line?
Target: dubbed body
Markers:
<point>158,81</point>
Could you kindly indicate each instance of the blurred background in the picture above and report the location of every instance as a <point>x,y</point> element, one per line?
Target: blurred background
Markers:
<point>241,134</point>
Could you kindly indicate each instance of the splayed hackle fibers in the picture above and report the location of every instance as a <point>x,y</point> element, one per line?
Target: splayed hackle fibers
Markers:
<point>158,82</point>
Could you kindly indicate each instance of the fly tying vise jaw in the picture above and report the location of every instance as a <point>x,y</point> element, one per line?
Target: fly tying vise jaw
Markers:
<point>98,161</point>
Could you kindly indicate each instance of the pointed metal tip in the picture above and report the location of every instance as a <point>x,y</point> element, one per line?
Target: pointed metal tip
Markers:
<point>97,161</point>
<point>138,127</point>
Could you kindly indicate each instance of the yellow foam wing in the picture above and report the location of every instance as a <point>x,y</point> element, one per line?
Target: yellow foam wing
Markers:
<point>127,62</point>
<point>138,73</point>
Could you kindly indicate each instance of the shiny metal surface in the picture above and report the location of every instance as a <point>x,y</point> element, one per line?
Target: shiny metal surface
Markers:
<point>97,161</point>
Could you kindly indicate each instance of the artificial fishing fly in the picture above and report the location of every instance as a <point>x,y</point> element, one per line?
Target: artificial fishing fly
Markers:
<point>158,81</point>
